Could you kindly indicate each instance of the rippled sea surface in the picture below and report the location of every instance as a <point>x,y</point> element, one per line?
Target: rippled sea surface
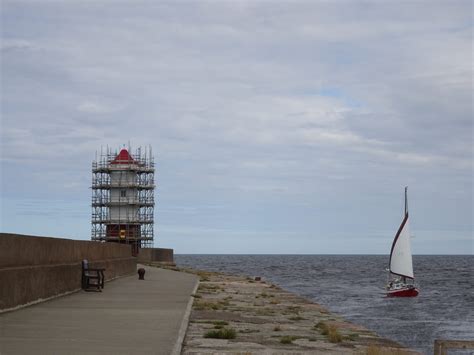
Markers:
<point>352,285</point>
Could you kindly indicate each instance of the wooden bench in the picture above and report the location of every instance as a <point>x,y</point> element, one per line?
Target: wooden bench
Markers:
<point>92,278</point>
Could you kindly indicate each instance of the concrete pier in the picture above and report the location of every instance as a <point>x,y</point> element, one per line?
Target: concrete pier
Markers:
<point>237,315</point>
<point>130,316</point>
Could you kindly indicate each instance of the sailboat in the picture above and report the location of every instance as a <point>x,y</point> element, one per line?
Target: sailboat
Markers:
<point>401,280</point>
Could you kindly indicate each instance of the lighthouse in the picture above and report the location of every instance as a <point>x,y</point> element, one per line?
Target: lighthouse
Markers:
<point>123,197</point>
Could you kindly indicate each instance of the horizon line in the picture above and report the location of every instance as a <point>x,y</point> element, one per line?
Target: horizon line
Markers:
<point>277,254</point>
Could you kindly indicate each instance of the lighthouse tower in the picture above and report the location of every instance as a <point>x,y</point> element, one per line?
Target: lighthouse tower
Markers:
<point>123,197</point>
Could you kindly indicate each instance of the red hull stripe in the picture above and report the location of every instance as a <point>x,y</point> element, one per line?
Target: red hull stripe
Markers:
<point>413,292</point>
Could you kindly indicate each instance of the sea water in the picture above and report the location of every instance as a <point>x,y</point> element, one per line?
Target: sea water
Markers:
<point>353,286</point>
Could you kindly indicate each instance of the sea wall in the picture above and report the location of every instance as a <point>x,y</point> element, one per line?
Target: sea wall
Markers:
<point>36,268</point>
<point>156,255</point>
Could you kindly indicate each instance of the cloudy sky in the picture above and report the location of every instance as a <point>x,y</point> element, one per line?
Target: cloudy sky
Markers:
<point>277,127</point>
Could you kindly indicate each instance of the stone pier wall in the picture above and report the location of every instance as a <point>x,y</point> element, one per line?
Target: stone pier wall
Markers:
<point>37,268</point>
<point>156,255</point>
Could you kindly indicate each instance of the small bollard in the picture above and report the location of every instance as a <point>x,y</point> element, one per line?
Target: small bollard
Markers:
<point>141,274</point>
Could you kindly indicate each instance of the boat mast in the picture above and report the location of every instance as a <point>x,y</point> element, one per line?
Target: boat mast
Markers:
<point>406,200</point>
<point>406,214</point>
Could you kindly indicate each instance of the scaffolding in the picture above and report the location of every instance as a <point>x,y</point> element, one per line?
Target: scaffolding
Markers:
<point>123,197</point>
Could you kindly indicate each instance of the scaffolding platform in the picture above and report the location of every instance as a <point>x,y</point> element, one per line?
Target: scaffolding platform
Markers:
<point>123,197</point>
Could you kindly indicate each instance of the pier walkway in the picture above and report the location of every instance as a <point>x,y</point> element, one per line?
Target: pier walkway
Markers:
<point>130,316</point>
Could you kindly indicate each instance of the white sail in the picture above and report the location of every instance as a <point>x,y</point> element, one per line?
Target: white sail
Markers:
<point>400,257</point>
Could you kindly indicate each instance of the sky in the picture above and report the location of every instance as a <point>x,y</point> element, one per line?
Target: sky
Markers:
<point>277,127</point>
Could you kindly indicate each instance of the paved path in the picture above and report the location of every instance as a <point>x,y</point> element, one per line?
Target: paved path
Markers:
<point>130,316</point>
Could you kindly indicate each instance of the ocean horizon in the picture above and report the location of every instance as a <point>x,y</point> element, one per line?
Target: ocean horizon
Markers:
<point>293,254</point>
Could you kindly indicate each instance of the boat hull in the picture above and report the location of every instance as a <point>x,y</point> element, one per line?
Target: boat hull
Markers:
<point>404,292</point>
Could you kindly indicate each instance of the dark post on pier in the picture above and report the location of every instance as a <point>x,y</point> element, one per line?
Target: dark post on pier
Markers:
<point>441,347</point>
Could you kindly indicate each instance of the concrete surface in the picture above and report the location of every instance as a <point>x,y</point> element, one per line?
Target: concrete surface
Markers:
<point>37,268</point>
<point>25,250</point>
<point>130,316</point>
<point>150,255</point>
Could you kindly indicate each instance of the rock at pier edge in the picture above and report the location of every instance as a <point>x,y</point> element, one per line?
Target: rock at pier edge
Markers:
<point>237,315</point>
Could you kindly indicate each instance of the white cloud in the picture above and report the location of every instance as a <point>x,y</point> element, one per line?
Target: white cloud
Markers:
<point>9,44</point>
<point>95,107</point>
<point>254,99</point>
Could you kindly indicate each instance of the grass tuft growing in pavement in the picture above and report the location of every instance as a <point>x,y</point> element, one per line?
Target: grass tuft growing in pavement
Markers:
<point>224,333</point>
<point>203,305</point>
<point>288,339</point>
<point>333,335</point>
<point>330,331</point>
<point>352,336</point>
<point>322,327</point>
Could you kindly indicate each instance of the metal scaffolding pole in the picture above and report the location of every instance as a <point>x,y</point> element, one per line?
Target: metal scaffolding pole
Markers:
<point>123,197</point>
